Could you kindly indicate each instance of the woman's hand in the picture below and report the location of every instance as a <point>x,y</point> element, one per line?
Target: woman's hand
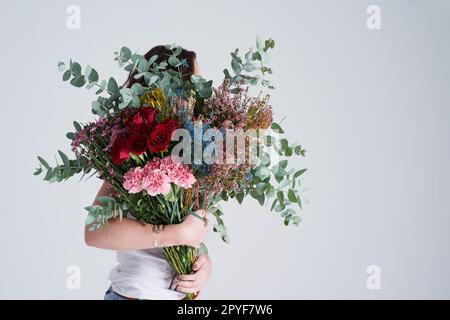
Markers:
<point>193,230</point>
<point>193,283</point>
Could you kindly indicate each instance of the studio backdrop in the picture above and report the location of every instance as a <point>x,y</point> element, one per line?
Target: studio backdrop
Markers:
<point>362,85</point>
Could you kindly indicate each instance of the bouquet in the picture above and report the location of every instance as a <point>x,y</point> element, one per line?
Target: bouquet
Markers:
<point>169,145</point>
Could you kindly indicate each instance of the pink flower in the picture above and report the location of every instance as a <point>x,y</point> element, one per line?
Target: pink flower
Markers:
<point>156,182</point>
<point>152,165</point>
<point>157,175</point>
<point>182,177</point>
<point>133,180</point>
<point>168,164</point>
<point>177,172</point>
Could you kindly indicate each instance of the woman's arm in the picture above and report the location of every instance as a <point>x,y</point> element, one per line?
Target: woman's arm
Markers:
<point>130,234</point>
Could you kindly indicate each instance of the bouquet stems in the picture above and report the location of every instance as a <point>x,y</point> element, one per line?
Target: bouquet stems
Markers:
<point>181,258</point>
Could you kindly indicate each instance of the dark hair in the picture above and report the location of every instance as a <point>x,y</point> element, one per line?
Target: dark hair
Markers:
<point>163,53</point>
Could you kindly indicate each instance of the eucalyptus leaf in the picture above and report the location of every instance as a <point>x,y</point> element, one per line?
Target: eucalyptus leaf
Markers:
<point>78,81</point>
<point>66,75</point>
<point>250,67</point>
<point>288,151</point>
<point>258,196</point>
<point>274,203</point>
<point>61,66</point>
<point>296,220</point>
<point>90,85</point>
<point>299,173</point>
<point>235,66</point>
<point>292,196</point>
<point>44,163</point>
<point>77,126</point>
<point>280,197</point>
<point>125,54</point>
<point>75,68</point>
<point>112,86</point>
<point>240,197</point>
<point>93,76</point>
<point>91,218</point>
<point>277,128</point>
<point>173,61</point>
<point>152,59</point>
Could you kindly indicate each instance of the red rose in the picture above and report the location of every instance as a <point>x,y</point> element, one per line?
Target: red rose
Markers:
<point>136,143</point>
<point>149,114</point>
<point>118,153</point>
<point>160,137</point>
<point>137,120</point>
<point>143,120</point>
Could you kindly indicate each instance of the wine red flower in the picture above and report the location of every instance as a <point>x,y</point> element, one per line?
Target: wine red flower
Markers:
<point>160,137</point>
<point>136,143</point>
<point>149,114</point>
<point>137,120</point>
<point>118,152</point>
<point>143,120</point>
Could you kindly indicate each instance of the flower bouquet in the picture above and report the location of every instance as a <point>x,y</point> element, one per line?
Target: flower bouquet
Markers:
<point>169,145</point>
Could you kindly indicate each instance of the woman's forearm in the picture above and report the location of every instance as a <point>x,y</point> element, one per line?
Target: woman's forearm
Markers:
<point>130,234</point>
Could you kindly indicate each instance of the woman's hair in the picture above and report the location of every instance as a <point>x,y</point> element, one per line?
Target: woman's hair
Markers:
<point>187,69</point>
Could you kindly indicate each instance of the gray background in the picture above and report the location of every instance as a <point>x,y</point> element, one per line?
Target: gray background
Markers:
<point>371,107</point>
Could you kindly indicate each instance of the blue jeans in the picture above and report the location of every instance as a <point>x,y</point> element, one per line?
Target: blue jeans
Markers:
<point>111,295</point>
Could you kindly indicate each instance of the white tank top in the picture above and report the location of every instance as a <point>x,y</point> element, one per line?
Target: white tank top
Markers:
<point>144,274</point>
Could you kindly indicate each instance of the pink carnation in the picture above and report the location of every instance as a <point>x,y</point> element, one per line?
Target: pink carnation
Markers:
<point>155,164</point>
<point>178,173</point>
<point>183,178</point>
<point>156,176</point>
<point>133,180</point>
<point>156,182</point>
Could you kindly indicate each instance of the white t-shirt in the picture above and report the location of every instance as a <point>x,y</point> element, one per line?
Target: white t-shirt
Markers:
<point>144,274</point>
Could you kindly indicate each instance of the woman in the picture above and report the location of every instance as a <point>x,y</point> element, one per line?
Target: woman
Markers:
<point>142,271</point>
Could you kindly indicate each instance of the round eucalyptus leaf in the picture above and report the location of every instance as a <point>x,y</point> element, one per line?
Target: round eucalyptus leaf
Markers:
<point>78,81</point>
<point>90,85</point>
<point>67,75</point>
<point>75,68</point>
<point>125,54</point>
<point>152,59</point>
<point>93,75</point>
<point>174,61</point>
<point>61,66</point>
<point>112,85</point>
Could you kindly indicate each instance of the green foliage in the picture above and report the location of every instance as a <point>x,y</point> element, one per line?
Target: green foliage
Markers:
<point>252,67</point>
<point>202,87</point>
<point>219,227</point>
<point>100,214</point>
<point>62,172</point>
<point>276,182</point>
